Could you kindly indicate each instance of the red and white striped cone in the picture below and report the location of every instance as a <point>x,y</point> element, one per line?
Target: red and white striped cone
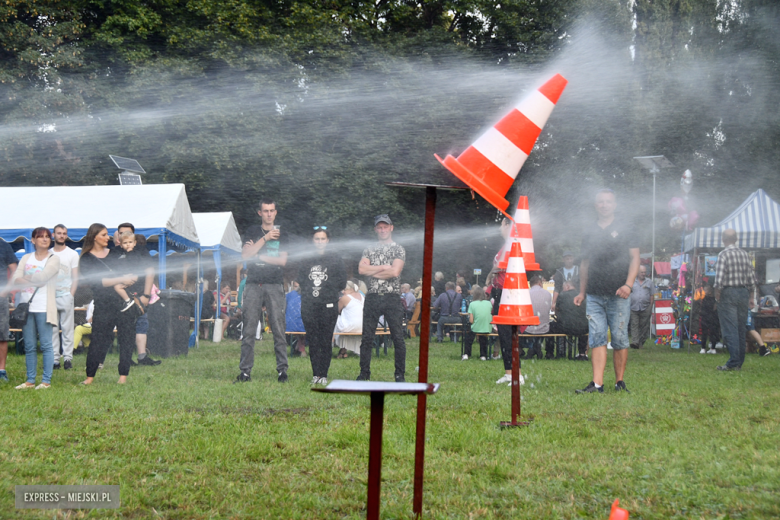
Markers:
<point>521,232</point>
<point>490,165</point>
<point>516,307</point>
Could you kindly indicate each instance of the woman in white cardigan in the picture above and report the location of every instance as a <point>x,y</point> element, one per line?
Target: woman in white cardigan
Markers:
<point>39,271</point>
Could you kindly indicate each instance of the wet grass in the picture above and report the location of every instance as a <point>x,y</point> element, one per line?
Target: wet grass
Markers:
<point>185,443</point>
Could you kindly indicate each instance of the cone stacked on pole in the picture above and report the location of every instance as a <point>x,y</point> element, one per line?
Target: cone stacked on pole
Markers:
<point>490,165</point>
<point>521,232</point>
<point>516,307</point>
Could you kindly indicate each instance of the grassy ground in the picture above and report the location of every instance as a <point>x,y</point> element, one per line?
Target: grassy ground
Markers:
<point>185,443</point>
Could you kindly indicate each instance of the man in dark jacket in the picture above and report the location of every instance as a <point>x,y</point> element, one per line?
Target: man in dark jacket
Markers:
<point>571,319</point>
<point>448,304</point>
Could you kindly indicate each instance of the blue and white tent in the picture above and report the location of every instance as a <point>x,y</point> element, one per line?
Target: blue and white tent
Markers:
<point>756,221</point>
<point>158,211</point>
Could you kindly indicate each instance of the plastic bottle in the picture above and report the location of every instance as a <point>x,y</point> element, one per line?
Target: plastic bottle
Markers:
<point>463,306</point>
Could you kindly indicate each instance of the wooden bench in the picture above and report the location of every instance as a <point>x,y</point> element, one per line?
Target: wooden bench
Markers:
<point>571,344</point>
<point>379,332</point>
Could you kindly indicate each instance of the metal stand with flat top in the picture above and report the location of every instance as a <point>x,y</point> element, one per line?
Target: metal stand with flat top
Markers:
<point>377,391</point>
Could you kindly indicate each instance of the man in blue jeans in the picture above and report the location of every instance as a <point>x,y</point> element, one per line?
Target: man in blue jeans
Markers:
<point>734,280</point>
<point>610,263</point>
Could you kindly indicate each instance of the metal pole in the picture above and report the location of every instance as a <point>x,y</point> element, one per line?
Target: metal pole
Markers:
<point>375,455</point>
<point>425,336</point>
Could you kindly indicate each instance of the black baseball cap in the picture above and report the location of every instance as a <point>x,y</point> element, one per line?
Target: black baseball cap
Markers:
<point>383,218</point>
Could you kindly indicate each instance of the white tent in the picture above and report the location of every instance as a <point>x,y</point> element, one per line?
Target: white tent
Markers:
<point>156,210</point>
<point>756,221</point>
<point>218,233</point>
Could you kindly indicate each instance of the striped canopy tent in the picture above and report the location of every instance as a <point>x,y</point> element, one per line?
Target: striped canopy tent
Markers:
<point>756,221</point>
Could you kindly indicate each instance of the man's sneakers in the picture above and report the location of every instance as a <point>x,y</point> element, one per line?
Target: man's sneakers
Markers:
<point>712,351</point>
<point>282,378</point>
<point>3,376</point>
<point>363,376</point>
<point>465,357</point>
<point>56,366</point>
<point>243,377</point>
<point>147,360</point>
<point>703,351</point>
<point>581,357</point>
<point>763,351</point>
<point>68,365</point>
<point>727,368</point>
<point>621,386</point>
<point>591,388</point>
<point>482,358</point>
<point>399,378</point>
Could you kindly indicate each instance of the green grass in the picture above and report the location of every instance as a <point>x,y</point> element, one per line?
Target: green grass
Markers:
<point>183,442</point>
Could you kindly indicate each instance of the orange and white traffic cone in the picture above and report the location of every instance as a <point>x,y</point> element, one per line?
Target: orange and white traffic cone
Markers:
<point>490,165</point>
<point>618,513</point>
<point>516,307</point>
<point>521,232</point>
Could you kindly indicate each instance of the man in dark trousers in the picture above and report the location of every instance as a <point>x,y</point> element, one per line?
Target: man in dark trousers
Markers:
<point>734,281</point>
<point>265,252</point>
<point>610,263</point>
<point>382,264</point>
<point>448,304</point>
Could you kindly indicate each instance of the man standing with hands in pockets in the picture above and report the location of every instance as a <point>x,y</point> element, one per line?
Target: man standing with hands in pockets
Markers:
<point>610,263</point>
<point>265,252</point>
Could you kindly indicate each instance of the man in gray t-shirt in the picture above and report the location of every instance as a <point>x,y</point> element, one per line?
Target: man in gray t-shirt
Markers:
<point>382,264</point>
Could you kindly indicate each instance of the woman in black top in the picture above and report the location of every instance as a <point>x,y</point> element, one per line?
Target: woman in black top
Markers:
<point>97,268</point>
<point>322,276</point>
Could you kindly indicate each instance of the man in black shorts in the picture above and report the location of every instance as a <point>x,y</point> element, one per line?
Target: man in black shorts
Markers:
<point>382,264</point>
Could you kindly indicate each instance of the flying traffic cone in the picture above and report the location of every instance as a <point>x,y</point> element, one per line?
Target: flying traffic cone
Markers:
<point>618,513</point>
<point>521,232</point>
<point>490,165</point>
<point>516,307</point>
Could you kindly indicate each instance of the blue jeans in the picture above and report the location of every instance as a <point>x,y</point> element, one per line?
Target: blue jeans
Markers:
<point>733,313</point>
<point>608,312</point>
<point>37,328</point>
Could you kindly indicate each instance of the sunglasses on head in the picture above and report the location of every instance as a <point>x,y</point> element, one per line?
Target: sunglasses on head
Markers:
<point>317,228</point>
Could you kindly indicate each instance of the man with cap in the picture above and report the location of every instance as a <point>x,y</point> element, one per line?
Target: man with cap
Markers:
<point>568,273</point>
<point>382,264</point>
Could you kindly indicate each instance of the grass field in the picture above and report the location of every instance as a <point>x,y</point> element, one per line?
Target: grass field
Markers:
<point>183,442</point>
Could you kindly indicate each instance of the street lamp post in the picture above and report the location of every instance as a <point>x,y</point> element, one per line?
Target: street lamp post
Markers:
<point>654,163</point>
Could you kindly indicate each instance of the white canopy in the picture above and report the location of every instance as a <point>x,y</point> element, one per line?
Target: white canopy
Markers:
<point>217,230</point>
<point>154,210</point>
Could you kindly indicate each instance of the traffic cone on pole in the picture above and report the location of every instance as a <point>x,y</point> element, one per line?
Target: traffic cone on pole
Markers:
<point>516,307</point>
<point>618,513</point>
<point>521,232</point>
<point>490,165</point>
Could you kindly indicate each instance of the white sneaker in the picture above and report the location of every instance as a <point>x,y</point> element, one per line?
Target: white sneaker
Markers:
<point>465,357</point>
<point>315,380</point>
<point>323,381</point>
<point>522,381</point>
<point>703,351</point>
<point>483,358</point>
<point>506,378</point>
<point>609,345</point>
<point>42,386</point>
<point>718,345</point>
<point>712,351</point>
<point>100,366</point>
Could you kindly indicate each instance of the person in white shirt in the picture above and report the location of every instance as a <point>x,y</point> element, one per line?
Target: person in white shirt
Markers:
<point>67,283</point>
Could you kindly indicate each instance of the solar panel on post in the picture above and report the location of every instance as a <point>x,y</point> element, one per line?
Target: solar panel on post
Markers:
<point>127,179</point>
<point>130,165</point>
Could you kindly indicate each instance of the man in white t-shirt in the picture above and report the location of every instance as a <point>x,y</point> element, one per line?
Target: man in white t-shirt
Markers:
<point>67,283</point>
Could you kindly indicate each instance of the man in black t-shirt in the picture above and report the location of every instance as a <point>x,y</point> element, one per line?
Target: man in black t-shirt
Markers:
<point>8,262</point>
<point>265,253</point>
<point>610,263</point>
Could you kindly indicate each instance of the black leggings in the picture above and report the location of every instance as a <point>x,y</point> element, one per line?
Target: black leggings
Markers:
<point>469,340</point>
<point>319,322</point>
<point>107,316</point>
<point>505,338</point>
